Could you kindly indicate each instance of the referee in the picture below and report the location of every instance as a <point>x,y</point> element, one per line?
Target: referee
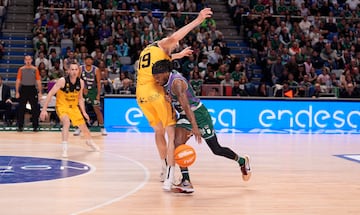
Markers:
<point>27,77</point>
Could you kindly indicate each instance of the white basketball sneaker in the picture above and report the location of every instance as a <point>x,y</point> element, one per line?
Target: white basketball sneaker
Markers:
<point>245,169</point>
<point>92,145</point>
<point>163,174</point>
<point>103,132</point>
<point>169,178</point>
<point>77,132</point>
<point>184,187</point>
<point>167,185</point>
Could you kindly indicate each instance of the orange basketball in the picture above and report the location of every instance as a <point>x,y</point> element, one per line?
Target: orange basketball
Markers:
<point>185,155</point>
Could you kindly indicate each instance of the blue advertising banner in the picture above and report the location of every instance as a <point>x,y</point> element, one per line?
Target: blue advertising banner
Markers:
<point>251,115</point>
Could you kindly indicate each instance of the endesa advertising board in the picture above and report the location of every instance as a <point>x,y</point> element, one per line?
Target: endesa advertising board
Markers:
<point>122,114</point>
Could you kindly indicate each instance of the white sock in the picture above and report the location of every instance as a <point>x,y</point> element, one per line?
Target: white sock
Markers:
<point>163,164</point>
<point>64,145</point>
<point>170,173</point>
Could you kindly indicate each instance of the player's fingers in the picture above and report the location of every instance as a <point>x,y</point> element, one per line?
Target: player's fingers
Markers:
<point>208,11</point>
<point>43,117</point>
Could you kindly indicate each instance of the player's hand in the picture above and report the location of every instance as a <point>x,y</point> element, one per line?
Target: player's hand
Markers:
<point>86,116</point>
<point>85,91</point>
<point>186,52</point>
<point>197,135</point>
<point>17,95</point>
<point>204,13</point>
<point>43,115</point>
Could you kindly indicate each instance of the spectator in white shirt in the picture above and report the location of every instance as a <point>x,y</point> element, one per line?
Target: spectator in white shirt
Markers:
<point>40,59</point>
<point>77,17</point>
<point>228,81</point>
<point>305,25</point>
<point>352,4</point>
<point>168,23</point>
<point>324,77</point>
<point>215,57</point>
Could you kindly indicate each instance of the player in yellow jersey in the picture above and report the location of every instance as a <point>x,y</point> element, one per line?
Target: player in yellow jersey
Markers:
<point>151,97</point>
<point>69,97</point>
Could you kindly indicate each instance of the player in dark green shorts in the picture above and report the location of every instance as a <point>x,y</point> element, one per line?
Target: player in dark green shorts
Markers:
<point>194,119</point>
<point>92,79</point>
<point>90,97</point>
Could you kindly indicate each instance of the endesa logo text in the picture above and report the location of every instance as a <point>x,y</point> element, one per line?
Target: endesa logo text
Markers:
<point>123,114</point>
<point>225,117</point>
<point>309,118</point>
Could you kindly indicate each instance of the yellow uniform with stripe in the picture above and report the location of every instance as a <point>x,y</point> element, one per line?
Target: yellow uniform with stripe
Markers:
<point>67,101</point>
<point>149,95</point>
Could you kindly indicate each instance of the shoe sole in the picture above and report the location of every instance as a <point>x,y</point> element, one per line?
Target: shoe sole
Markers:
<point>167,185</point>
<point>77,132</point>
<point>181,190</point>
<point>248,176</point>
<point>166,189</point>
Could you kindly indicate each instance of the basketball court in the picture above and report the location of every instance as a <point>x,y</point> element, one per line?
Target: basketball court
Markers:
<point>291,174</point>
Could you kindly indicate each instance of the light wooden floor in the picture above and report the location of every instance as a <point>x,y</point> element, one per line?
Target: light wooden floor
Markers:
<point>292,174</point>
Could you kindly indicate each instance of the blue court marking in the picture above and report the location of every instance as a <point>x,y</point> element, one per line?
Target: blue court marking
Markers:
<point>350,157</point>
<point>17,169</point>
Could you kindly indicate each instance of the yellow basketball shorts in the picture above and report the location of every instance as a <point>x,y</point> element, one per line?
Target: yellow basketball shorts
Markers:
<point>73,113</point>
<point>151,99</point>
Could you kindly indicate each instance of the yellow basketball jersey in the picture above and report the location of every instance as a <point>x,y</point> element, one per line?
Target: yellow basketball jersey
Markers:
<point>68,96</point>
<point>150,55</point>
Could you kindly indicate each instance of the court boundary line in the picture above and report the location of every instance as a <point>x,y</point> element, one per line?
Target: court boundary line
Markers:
<point>123,196</point>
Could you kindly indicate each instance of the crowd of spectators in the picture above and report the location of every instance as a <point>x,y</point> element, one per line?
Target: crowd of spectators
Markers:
<point>3,12</point>
<point>309,47</point>
<point>116,31</point>
<point>304,48</point>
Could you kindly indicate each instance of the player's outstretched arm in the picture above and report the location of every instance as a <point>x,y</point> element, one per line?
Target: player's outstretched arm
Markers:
<point>184,53</point>
<point>169,43</point>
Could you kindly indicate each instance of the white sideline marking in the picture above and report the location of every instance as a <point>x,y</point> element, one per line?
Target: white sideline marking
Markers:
<point>141,185</point>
